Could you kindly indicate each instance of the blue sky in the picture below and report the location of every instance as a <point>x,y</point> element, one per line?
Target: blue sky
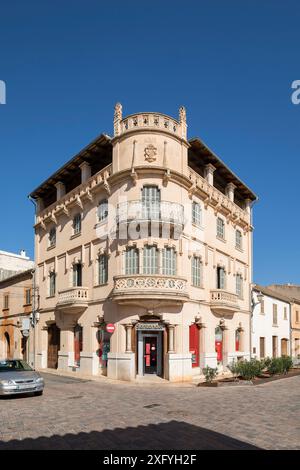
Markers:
<point>66,63</point>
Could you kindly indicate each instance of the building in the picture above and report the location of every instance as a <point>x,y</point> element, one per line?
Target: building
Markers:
<point>271,324</point>
<point>292,291</point>
<point>16,308</point>
<point>12,263</point>
<point>143,246</point>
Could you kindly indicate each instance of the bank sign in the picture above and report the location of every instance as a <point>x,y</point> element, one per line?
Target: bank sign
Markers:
<point>2,92</point>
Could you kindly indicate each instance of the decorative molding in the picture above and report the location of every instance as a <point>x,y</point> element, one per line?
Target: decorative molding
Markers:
<point>150,153</point>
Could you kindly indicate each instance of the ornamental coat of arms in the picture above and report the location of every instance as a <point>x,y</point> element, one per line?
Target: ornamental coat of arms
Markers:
<point>150,153</point>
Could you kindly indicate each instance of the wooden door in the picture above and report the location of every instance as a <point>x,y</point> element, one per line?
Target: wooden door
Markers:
<point>53,346</point>
<point>261,347</point>
<point>284,351</point>
<point>194,344</point>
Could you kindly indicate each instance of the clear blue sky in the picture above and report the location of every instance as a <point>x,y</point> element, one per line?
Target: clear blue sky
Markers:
<point>66,63</point>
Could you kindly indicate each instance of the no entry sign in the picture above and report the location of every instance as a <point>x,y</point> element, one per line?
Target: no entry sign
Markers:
<point>110,328</point>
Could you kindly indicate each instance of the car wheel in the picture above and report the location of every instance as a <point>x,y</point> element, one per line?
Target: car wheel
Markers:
<point>37,394</point>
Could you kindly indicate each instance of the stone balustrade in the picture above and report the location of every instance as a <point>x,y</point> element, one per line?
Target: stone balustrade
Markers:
<point>73,296</point>
<point>163,211</point>
<point>153,121</point>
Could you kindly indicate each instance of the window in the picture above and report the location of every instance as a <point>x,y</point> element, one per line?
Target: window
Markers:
<point>239,285</point>
<point>77,275</point>
<point>238,239</point>
<point>297,316</point>
<point>196,214</point>
<point>196,271</point>
<point>6,301</point>
<point>52,237</point>
<point>27,296</point>
<point>220,228</point>
<point>103,210</point>
<point>285,313</point>
<point>150,260</point>
<point>52,282</point>
<point>169,262</point>
<point>103,269</point>
<point>262,306</point>
<point>221,278</point>
<point>77,224</point>
<point>132,261</point>
<point>274,314</point>
<point>151,202</point>
<point>274,346</point>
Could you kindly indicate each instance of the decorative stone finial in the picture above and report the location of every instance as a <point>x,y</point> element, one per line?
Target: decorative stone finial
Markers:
<point>117,118</point>
<point>182,115</point>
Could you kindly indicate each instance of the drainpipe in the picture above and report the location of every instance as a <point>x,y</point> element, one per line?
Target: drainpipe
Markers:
<point>34,288</point>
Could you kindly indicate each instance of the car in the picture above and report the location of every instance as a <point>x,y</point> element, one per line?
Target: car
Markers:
<point>16,376</point>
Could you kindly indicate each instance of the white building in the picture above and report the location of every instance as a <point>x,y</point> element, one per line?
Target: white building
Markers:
<point>13,263</point>
<point>271,324</point>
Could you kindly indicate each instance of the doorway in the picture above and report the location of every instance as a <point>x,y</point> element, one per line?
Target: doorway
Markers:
<point>53,346</point>
<point>284,347</point>
<point>150,353</point>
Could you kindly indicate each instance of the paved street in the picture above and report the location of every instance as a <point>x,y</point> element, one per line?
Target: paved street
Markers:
<point>81,414</point>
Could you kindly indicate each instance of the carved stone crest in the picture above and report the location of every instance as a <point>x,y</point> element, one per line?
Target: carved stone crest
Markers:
<point>150,153</point>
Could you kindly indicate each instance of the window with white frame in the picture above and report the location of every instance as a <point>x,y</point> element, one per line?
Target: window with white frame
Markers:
<point>196,271</point>
<point>102,269</point>
<point>103,210</point>
<point>52,283</point>
<point>151,202</point>
<point>131,261</point>
<point>77,224</point>
<point>238,239</point>
<point>196,213</point>
<point>169,262</point>
<point>239,285</point>
<point>220,228</point>
<point>52,236</point>
<point>221,277</point>
<point>150,260</point>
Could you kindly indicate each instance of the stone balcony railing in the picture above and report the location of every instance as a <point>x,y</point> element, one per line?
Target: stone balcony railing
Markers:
<point>164,211</point>
<point>153,121</point>
<point>143,286</point>
<point>218,199</point>
<point>223,301</point>
<point>74,197</point>
<point>73,299</point>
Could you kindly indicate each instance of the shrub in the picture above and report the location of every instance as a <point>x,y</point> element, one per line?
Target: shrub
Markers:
<point>234,369</point>
<point>210,373</point>
<point>287,364</point>
<point>249,369</point>
<point>266,362</point>
<point>275,366</point>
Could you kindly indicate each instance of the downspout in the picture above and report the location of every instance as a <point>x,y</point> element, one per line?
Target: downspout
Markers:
<point>34,291</point>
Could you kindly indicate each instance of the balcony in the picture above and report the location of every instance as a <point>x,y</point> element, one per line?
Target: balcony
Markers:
<point>73,300</point>
<point>150,290</point>
<point>223,302</point>
<point>138,211</point>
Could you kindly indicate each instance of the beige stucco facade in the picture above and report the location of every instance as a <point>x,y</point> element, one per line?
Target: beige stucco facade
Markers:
<point>156,311</point>
<point>16,307</point>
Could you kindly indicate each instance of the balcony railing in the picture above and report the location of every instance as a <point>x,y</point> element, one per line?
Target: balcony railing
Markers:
<point>223,301</point>
<point>150,286</point>
<point>75,298</point>
<point>163,211</point>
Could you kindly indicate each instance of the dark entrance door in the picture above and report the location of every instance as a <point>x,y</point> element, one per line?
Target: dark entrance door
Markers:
<point>150,355</point>
<point>53,346</point>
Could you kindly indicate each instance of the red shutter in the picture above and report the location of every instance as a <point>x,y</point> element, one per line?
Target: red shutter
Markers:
<point>194,344</point>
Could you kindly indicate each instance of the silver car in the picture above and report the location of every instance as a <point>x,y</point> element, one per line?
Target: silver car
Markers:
<point>16,376</point>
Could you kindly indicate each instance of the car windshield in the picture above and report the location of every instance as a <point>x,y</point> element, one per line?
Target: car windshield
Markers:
<point>14,365</point>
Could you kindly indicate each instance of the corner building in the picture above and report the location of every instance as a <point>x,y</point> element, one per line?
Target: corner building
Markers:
<point>152,233</point>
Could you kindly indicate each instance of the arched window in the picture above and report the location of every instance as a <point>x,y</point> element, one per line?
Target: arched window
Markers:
<point>103,210</point>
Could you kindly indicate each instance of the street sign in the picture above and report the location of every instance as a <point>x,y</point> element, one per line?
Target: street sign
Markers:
<point>110,328</point>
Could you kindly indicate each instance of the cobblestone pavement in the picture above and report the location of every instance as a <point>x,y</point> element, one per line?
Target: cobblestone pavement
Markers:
<point>82,414</point>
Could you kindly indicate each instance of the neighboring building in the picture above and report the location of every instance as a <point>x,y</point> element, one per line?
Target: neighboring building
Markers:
<point>12,263</point>
<point>270,324</point>
<point>173,275</point>
<point>292,291</point>
<point>15,310</point>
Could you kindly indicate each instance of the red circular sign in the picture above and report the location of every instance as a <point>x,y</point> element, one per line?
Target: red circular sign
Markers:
<point>110,328</point>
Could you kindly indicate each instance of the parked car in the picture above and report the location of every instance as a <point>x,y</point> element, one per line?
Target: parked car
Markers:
<point>16,376</point>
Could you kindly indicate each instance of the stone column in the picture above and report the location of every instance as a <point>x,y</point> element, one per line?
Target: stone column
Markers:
<point>225,346</point>
<point>85,171</point>
<point>230,191</point>
<point>171,337</point>
<point>209,173</point>
<point>128,328</point>
<point>60,190</point>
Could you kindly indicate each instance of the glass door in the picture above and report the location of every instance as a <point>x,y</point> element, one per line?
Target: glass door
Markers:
<point>150,355</point>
